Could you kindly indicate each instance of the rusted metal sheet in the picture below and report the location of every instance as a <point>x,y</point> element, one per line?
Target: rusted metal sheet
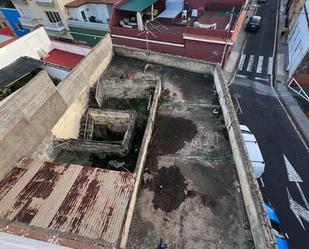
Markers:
<point>71,199</point>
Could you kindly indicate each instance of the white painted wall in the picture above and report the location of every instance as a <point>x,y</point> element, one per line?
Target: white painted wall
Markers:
<point>30,44</point>
<point>27,45</point>
<point>56,72</point>
<point>34,10</point>
<point>75,49</point>
<point>10,241</point>
<point>26,12</point>
<point>298,42</point>
<point>102,12</point>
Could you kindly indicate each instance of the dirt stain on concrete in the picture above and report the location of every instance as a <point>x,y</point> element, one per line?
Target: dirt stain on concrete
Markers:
<point>169,187</point>
<point>211,184</point>
<point>170,135</point>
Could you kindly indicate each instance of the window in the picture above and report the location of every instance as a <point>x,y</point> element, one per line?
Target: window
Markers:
<point>4,24</point>
<point>53,17</point>
<point>83,16</point>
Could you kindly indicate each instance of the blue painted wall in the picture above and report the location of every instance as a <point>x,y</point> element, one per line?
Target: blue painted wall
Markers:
<point>12,16</point>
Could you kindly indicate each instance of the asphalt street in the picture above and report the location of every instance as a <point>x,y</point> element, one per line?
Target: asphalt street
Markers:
<point>262,112</point>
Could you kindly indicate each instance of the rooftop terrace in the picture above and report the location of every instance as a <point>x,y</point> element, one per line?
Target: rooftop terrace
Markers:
<point>190,183</point>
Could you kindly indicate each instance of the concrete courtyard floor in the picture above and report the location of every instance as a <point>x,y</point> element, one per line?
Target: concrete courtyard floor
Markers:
<point>190,194</point>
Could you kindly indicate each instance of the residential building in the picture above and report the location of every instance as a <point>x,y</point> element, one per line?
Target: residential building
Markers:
<point>198,29</point>
<point>48,13</point>
<point>298,39</point>
<point>292,11</point>
<point>89,19</point>
<point>4,22</point>
<point>26,56</point>
<point>12,16</point>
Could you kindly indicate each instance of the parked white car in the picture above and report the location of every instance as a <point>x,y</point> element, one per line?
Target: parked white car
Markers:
<point>254,151</point>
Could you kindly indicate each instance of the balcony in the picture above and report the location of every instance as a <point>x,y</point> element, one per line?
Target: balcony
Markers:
<point>58,26</point>
<point>45,2</point>
<point>30,22</point>
<point>88,25</point>
<point>20,1</point>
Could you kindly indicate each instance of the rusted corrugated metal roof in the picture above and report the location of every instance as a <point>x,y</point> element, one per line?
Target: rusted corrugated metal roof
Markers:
<point>76,200</point>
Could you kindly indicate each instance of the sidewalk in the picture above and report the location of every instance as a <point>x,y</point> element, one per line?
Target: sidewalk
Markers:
<point>230,67</point>
<point>281,78</point>
<point>280,74</point>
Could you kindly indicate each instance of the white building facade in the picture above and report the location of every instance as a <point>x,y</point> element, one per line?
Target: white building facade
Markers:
<point>298,40</point>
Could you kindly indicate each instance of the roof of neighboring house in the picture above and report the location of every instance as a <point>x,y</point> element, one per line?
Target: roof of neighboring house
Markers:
<point>18,69</point>
<point>79,202</point>
<point>136,5</point>
<point>63,58</point>
<point>77,3</point>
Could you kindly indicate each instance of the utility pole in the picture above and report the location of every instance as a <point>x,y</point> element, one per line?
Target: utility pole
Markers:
<point>227,36</point>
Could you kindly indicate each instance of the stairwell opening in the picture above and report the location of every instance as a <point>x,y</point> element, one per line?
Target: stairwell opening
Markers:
<point>109,136</point>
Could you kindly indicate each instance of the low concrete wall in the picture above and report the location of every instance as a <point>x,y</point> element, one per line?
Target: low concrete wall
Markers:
<point>87,72</point>
<point>125,89</point>
<point>192,65</point>
<point>27,118</point>
<point>259,223</point>
<point>140,164</point>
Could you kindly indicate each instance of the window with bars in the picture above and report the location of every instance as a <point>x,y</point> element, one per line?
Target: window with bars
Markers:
<point>53,17</point>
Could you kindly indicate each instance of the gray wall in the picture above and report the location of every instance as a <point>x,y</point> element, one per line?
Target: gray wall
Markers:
<point>259,222</point>
<point>140,164</point>
<point>26,119</point>
<point>29,115</point>
<point>192,65</point>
